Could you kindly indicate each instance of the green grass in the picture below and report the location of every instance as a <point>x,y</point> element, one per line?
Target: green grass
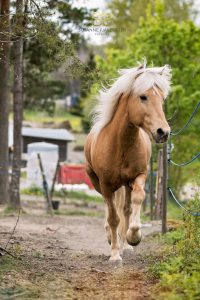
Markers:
<point>36,191</point>
<point>81,196</point>
<point>60,116</point>
<point>27,279</point>
<point>32,191</point>
<point>77,212</point>
<point>7,264</point>
<point>173,210</point>
<point>10,211</point>
<point>13,284</point>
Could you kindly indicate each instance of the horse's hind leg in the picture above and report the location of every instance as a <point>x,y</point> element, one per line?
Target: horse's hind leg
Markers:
<point>137,196</point>
<point>94,178</point>
<point>112,223</point>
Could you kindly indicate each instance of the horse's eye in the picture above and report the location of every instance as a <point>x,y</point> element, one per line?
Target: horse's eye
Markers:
<point>143,97</point>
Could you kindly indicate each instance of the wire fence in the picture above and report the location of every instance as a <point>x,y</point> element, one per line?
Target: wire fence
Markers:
<point>170,161</point>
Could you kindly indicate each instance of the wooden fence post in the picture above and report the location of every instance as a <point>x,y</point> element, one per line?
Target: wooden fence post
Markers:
<point>159,186</point>
<point>45,186</point>
<point>151,190</point>
<point>164,198</point>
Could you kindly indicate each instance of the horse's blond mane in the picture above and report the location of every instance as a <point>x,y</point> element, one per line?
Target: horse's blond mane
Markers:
<point>138,80</point>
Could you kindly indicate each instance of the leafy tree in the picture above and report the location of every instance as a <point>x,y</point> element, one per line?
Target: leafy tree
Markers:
<point>71,18</point>
<point>54,45</point>
<point>124,16</point>
<point>42,55</point>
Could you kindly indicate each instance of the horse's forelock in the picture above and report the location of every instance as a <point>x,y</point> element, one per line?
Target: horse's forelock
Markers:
<point>150,77</point>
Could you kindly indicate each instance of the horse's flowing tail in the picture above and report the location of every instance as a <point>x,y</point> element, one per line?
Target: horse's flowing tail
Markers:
<point>120,195</point>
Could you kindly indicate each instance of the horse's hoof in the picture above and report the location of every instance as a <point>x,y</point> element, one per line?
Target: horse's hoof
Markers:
<point>126,246</point>
<point>134,237</point>
<point>116,257</point>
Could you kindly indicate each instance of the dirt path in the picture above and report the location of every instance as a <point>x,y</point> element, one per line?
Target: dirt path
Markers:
<point>66,257</point>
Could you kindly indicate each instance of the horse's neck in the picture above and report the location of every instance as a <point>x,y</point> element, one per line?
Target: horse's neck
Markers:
<point>121,127</point>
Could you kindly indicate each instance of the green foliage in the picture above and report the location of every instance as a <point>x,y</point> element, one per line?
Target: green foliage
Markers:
<point>89,103</point>
<point>174,237</point>
<point>88,74</point>
<point>52,44</point>
<point>44,54</point>
<point>179,272</point>
<point>173,210</point>
<point>71,15</point>
<point>125,15</point>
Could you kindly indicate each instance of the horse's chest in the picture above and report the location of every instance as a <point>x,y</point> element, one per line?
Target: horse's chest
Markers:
<point>133,164</point>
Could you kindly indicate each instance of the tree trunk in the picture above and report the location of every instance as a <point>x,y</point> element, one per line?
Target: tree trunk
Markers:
<point>4,98</point>
<point>17,108</point>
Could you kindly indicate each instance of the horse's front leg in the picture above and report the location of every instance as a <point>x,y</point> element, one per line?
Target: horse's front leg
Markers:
<point>133,234</point>
<point>111,225</point>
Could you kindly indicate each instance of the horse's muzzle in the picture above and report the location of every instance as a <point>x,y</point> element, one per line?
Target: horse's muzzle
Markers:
<point>161,135</point>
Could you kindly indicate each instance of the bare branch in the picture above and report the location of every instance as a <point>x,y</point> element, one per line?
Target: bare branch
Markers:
<point>12,233</point>
<point>9,253</point>
<point>38,8</point>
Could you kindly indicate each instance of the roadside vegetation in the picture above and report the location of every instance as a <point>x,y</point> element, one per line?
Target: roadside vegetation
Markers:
<point>177,269</point>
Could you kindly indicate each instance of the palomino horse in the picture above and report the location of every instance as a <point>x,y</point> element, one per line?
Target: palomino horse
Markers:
<point>118,148</point>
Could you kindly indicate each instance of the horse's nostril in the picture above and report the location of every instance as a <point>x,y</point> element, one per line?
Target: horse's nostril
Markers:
<point>160,132</point>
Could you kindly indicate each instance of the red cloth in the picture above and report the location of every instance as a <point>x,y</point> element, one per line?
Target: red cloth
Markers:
<point>73,174</point>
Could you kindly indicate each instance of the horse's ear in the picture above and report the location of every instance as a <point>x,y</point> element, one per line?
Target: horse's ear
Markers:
<point>166,72</point>
<point>162,71</point>
<point>140,67</point>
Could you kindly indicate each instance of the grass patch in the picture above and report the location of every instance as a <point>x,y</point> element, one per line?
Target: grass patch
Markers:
<point>13,282</point>
<point>59,117</point>
<point>10,211</point>
<point>28,279</point>
<point>173,210</point>
<point>7,264</point>
<point>36,191</point>
<point>23,174</point>
<point>81,196</point>
<point>32,191</point>
<point>79,213</point>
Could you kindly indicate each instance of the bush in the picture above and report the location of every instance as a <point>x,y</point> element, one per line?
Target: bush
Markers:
<point>179,273</point>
